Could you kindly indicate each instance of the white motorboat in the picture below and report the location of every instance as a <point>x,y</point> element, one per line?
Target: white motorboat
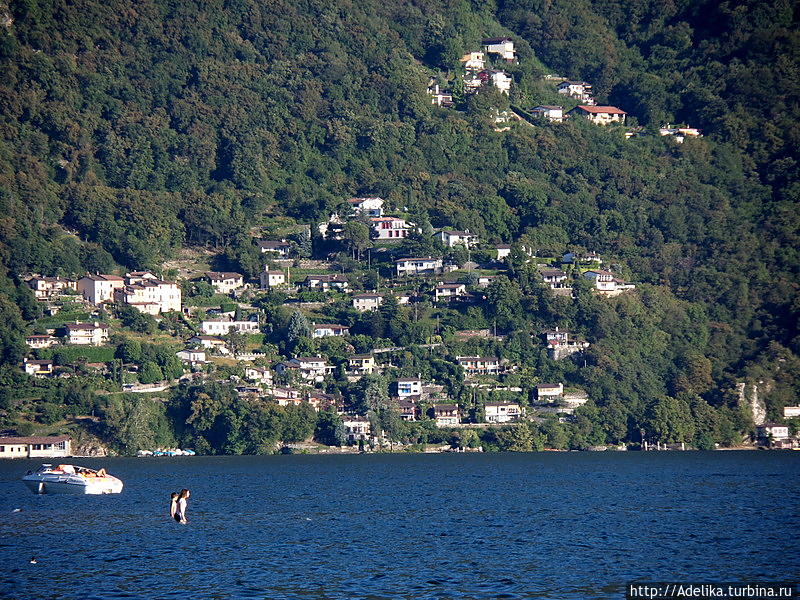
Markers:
<point>71,479</point>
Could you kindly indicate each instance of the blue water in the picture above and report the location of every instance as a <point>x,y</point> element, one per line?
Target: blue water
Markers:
<point>546,525</point>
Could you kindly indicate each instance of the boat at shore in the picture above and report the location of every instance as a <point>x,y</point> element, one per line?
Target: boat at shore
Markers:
<point>71,479</point>
<point>167,452</point>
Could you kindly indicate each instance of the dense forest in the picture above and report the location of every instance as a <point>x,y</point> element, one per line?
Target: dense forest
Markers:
<point>130,131</point>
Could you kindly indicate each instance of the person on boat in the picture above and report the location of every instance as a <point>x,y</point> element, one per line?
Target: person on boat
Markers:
<point>183,498</point>
<point>173,506</point>
<point>101,472</point>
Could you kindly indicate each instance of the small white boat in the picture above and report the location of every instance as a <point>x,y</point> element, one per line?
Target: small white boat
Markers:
<point>71,479</point>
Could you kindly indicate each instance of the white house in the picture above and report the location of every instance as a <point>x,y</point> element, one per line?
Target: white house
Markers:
<point>365,302</point>
<point>452,238</point>
<point>416,266</point>
<point>599,115</point>
<point>484,281</point>
<point>680,133</point>
<point>559,344</point>
<point>149,295</point>
<point>272,279</point>
<point>449,291</point>
<point>361,364</point>
<point>577,89</point>
<point>40,341</point>
<point>503,46</point>
<point>225,283</point>
<point>553,277</point>
<point>473,81</point>
<point>46,287</point>
<point>409,386</point>
<point>356,428</point>
<point>473,61</point>
<point>313,368</point>
<point>371,207</point>
<point>446,415</point>
<point>439,97</point>
<point>35,447</point>
<point>38,368</point>
<point>479,365</point>
<point>408,409</point>
<point>329,330</point>
<point>258,374</point>
<point>224,326</point>
<point>502,81</point>
<point>774,432</point>
<point>209,343</point>
<point>99,288</point>
<point>503,250</point>
<point>790,412</point>
<point>502,412</point>
<point>389,228</point>
<point>554,114</point>
<point>87,334</point>
<point>606,284</point>
<point>326,282</point>
<point>573,258</point>
<point>280,247</point>
<point>191,356</point>
<point>548,392</point>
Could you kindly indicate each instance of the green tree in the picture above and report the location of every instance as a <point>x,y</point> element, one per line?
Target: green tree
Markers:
<point>298,328</point>
<point>356,236</point>
<point>150,373</point>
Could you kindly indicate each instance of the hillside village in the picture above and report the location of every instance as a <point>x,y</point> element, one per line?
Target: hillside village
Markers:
<point>315,332</point>
<point>380,315</point>
<point>479,71</point>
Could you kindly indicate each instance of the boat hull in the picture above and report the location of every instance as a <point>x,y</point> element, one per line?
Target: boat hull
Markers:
<point>73,485</point>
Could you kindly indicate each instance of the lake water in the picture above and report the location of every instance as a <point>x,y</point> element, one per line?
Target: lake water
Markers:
<point>541,525</point>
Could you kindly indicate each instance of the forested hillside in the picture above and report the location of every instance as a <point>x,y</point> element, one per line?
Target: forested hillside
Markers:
<point>132,130</point>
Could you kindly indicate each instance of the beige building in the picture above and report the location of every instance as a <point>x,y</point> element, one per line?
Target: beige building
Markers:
<point>448,291</point>
<point>361,364</point>
<point>148,294</point>
<point>417,266</point>
<point>312,368</point>
<point>549,392</point>
<point>600,115</point>
<point>356,428</point>
<point>579,90</point>
<point>365,302</point>
<point>473,61</point>
<point>479,365</point>
<point>224,326</point>
<point>446,415</point>
<point>272,279</point>
<point>329,330</point>
<point>502,412</point>
<point>225,283</point>
<point>47,287</point>
<point>87,334</point>
<point>35,447</point>
<point>452,238</point>
<point>98,289</point>
<point>554,114</point>
<point>606,283</point>
<point>40,341</point>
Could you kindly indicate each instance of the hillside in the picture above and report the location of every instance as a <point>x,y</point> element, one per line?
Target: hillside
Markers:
<point>130,133</point>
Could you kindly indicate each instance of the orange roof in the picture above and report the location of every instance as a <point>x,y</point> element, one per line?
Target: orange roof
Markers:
<point>613,110</point>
